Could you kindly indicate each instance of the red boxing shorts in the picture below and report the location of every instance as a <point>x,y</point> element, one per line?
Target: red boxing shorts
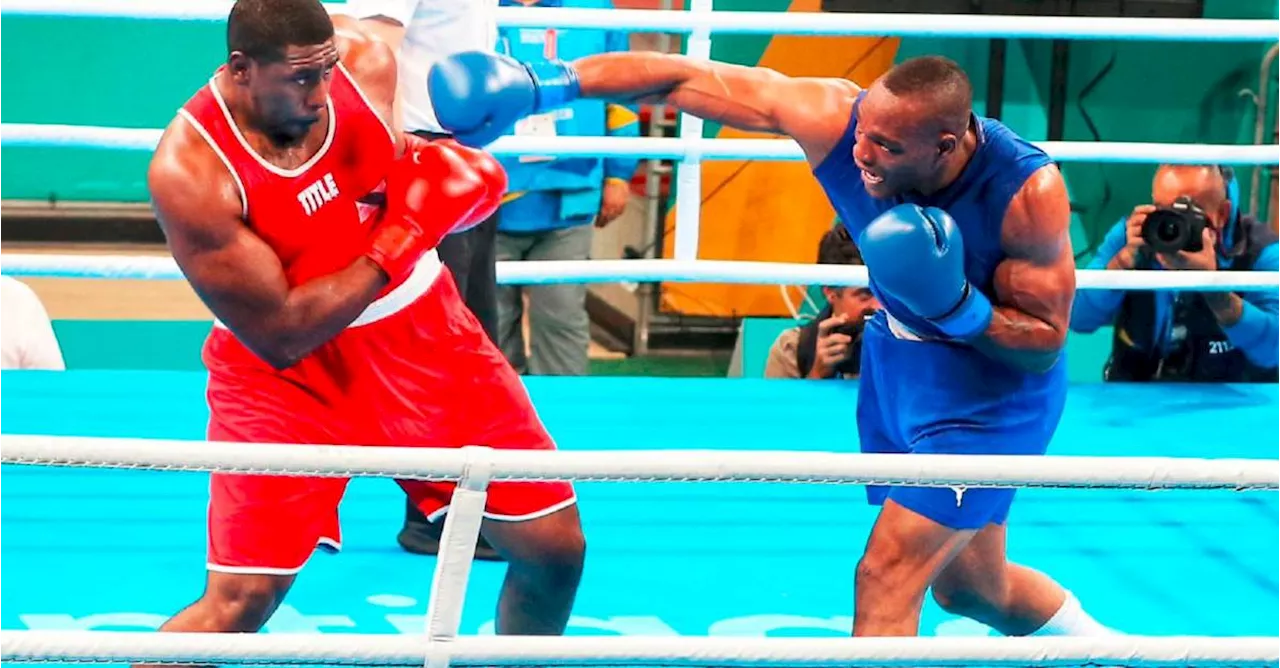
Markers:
<point>415,370</point>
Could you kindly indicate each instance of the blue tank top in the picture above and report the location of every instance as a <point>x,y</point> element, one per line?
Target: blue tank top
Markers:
<point>965,383</point>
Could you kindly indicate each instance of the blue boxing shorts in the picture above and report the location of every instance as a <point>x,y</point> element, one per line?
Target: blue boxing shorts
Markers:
<point>941,398</point>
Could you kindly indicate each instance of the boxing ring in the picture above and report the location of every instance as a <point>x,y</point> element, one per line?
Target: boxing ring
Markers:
<point>105,493</point>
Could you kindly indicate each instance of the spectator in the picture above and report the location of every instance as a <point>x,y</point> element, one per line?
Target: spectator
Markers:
<point>829,346</point>
<point>554,203</point>
<point>27,340</point>
<point>1193,223</point>
<point>422,32</point>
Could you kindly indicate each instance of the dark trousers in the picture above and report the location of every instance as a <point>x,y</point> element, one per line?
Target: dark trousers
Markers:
<point>470,257</point>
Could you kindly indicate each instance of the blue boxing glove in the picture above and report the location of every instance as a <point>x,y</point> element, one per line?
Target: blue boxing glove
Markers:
<point>478,97</point>
<point>916,256</point>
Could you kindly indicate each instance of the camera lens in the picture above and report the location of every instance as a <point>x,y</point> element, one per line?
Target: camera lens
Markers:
<point>1165,231</point>
<point>1175,228</point>
<point>1169,229</point>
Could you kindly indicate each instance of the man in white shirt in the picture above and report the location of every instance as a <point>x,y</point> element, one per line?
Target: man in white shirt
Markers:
<point>423,32</point>
<point>26,333</point>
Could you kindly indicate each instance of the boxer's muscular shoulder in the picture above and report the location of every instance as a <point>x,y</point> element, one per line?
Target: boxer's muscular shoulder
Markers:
<point>187,180</point>
<point>355,44</point>
<point>1038,276</point>
<point>815,112</point>
<point>370,61</point>
<point>1038,219</point>
<point>831,100</point>
<point>844,90</point>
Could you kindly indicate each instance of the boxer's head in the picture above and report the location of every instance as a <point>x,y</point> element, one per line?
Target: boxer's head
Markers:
<point>282,54</point>
<point>911,125</point>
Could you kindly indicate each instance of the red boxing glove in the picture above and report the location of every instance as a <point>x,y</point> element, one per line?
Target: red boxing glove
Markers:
<point>431,192</point>
<point>495,177</point>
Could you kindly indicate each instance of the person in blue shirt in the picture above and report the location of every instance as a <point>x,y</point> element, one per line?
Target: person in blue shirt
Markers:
<point>964,230</point>
<point>554,204</point>
<point>1191,336</point>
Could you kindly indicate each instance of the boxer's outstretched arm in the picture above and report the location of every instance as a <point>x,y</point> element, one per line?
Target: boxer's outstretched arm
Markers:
<point>813,111</point>
<point>1036,282</point>
<point>236,274</point>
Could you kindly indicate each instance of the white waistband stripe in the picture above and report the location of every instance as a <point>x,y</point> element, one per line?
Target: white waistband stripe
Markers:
<point>419,282</point>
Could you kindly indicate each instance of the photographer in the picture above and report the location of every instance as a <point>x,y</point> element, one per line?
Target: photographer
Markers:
<point>829,346</point>
<point>1193,223</point>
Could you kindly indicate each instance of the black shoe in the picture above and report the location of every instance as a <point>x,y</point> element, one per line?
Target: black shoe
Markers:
<point>422,536</point>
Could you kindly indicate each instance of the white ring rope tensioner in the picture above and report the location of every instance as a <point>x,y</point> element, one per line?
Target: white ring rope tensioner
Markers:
<point>474,467</point>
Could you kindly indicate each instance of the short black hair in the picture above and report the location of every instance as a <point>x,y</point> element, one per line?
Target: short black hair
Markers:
<point>837,247</point>
<point>263,29</point>
<point>940,78</point>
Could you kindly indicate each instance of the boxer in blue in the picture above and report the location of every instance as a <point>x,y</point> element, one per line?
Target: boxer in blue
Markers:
<point>963,227</point>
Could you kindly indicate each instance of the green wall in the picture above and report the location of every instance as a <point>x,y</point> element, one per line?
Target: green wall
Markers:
<point>137,73</point>
<point>1152,92</point>
<point>118,73</point>
<point>132,344</point>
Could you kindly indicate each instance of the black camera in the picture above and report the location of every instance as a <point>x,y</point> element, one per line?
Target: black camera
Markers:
<point>853,330</point>
<point>1175,228</point>
<point>851,365</point>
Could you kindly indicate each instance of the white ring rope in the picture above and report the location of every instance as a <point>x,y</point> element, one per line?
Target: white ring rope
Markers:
<point>413,650</point>
<point>543,272</point>
<point>898,25</point>
<point>1146,473</point>
<point>89,137</point>
<point>751,23</point>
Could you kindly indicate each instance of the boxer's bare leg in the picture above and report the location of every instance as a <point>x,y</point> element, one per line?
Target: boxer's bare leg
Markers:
<point>232,603</point>
<point>980,583</point>
<point>545,556</point>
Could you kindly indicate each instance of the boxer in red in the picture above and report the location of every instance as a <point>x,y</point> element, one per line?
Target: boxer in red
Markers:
<point>307,224</point>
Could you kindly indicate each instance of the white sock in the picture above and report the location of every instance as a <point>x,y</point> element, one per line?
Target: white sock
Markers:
<point>1072,620</point>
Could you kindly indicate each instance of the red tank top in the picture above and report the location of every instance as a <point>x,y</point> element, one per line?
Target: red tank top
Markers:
<point>309,215</point>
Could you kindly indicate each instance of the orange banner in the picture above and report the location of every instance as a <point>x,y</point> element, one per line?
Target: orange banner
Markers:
<point>770,211</point>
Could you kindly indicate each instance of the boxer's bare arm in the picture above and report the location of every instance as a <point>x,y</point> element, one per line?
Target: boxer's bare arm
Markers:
<point>236,274</point>
<point>813,111</point>
<point>1035,284</point>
